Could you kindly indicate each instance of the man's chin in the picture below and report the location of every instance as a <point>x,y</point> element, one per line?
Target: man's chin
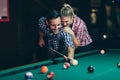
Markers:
<point>56,32</point>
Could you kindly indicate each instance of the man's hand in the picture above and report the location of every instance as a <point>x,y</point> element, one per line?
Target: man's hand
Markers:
<point>66,58</point>
<point>41,43</point>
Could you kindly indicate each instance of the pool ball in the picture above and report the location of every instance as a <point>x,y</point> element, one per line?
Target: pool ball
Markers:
<point>44,69</point>
<point>28,76</point>
<point>91,69</point>
<point>102,51</point>
<point>118,64</point>
<point>104,36</point>
<point>74,62</point>
<point>50,75</point>
<point>66,65</point>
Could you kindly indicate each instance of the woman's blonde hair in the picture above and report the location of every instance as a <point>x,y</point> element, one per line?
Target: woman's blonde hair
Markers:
<point>67,10</point>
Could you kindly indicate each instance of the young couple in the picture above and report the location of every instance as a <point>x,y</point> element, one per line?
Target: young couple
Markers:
<point>64,32</point>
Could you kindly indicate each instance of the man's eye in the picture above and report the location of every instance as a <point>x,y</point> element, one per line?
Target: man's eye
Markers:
<point>58,25</point>
<point>66,21</point>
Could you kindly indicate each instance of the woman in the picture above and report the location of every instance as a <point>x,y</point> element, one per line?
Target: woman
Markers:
<point>72,23</point>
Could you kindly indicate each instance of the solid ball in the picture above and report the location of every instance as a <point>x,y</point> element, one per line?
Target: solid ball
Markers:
<point>66,65</point>
<point>118,64</point>
<point>28,75</point>
<point>102,51</point>
<point>91,68</point>
<point>74,62</point>
<point>44,69</point>
<point>50,75</point>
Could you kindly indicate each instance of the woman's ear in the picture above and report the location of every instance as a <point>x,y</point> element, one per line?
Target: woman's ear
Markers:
<point>72,17</point>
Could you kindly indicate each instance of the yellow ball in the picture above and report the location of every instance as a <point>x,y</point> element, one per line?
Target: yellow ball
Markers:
<point>74,62</point>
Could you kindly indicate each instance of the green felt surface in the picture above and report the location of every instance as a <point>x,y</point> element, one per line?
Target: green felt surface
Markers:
<point>105,68</point>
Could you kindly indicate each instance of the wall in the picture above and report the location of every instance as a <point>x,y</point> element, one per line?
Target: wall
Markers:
<point>15,35</point>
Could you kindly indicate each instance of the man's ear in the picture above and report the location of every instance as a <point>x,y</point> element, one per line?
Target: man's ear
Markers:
<point>46,22</point>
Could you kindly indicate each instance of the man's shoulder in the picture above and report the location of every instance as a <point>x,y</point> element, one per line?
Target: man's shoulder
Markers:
<point>63,33</point>
<point>42,19</point>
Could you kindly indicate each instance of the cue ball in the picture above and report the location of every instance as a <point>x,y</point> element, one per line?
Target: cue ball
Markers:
<point>74,62</point>
<point>91,68</point>
<point>28,75</point>
<point>50,75</point>
<point>118,64</point>
<point>44,69</point>
<point>66,65</point>
<point>102,51</point>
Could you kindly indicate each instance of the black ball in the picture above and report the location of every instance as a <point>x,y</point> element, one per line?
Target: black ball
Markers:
<point>118,64</point>
<point>91,69</point>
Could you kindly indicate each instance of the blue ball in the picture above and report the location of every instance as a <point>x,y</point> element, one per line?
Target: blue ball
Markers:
<point>28,76</point>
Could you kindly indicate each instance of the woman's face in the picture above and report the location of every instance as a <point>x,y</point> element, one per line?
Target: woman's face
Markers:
<point>66,21</point>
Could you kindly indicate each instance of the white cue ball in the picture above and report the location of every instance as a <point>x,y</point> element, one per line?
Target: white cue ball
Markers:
<point>102,51</point>
<point>74,62</point>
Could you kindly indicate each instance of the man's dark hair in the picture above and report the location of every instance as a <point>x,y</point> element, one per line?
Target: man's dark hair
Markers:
<point>53,15</point>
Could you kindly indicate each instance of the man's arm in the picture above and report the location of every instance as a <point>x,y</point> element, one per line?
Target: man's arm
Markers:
<point>75,41</point>
<point>69,45</point>
<point>71,52</point>
<point>41,42</point>
<point>42,28</point>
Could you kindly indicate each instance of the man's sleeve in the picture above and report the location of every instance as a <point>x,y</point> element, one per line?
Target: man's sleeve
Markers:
<point>68,40</point>
<point>41,23</point>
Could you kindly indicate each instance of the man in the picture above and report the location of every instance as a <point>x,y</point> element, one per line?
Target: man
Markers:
<point>55,37</point>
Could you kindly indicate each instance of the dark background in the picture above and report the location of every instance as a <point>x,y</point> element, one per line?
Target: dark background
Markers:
<point>19,36</point>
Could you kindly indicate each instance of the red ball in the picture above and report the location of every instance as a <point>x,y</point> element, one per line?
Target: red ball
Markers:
<point>50,75</point>
<point>66,65</point>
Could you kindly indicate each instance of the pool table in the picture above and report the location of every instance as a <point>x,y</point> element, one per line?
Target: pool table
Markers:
<point>105,68</point>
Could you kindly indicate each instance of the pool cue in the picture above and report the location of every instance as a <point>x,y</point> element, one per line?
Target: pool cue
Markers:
<point>56,51</point>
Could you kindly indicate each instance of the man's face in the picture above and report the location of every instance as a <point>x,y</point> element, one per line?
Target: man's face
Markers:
<point>66,21</point>
<point>55,24</point>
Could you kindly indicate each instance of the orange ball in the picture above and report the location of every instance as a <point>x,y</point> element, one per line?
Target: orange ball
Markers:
<point>44,69</point>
